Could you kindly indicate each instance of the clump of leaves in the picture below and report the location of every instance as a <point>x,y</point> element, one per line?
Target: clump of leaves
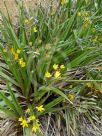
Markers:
<point>49,60</point>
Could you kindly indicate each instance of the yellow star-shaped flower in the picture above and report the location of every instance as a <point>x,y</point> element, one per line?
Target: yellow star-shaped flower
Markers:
<point>27,110</point>
<point>24,123</point>
<point>20,119</point>
<point>47,75</point>
<point>12,50</point>
<point>18,51</point>
<point>26,21</point>
<point>62,67</point>
<point>79,14</point>
<point>16,56</point>
<point>55,66</point>
<point>22,63</point>
<point>31,118</point>
<point>57,74</point>
<point>63,2</point>
<point>35,29</point>
<point>40,108</point>
<point>71,97</point>
<point>35,128</point>
<point>4,50</point>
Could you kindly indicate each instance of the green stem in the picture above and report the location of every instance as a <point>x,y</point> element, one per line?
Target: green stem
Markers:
<point>27,131</point>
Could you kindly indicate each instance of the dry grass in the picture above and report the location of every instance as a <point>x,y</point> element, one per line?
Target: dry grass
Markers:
<point>12,7</point>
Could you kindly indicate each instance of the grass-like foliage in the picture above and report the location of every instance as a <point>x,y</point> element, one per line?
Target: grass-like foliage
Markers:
<point>51,66</point>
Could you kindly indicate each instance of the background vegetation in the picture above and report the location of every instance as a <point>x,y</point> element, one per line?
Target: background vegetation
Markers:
<point>51,70</point>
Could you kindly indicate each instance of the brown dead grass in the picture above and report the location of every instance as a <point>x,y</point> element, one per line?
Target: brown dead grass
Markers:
<point>12,7</point>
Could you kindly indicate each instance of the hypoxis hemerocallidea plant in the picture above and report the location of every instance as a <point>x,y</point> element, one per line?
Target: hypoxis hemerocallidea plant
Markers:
<point>42,55</point>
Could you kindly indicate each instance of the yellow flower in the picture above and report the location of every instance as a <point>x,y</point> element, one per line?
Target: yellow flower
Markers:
<point>87,19</point>
<point>62,67</point>
<point>37,121</point>
<point>87,22</point>
<point>18,51</point>
<point>35,29</point>
<point>35,128</point>
<point>16,56</point>
<point>26,21</point>
<point>31,118</point>
<point>27,110</point>
<point>40,108</point>
<point>47,75</point>
<point>79,14</point>
<point>22,63</point>
<point>71,97</point>
<point>24,123</point>
<point>87,14</point>
<point>55,66</point>
<point>57,74</point>
<point>12,50</point>
<point>63,2</point>
<point>20,119</point>
<point>89,85</point>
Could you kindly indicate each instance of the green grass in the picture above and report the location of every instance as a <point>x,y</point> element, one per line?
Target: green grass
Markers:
<point>69,36</point>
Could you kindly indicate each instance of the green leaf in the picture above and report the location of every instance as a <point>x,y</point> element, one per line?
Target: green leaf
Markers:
<point>8,112</point>
<point>15,102</point>
<point>54,103</point>
<point>57,91</point>
<point>8,78</point>
<point>8,102</point>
